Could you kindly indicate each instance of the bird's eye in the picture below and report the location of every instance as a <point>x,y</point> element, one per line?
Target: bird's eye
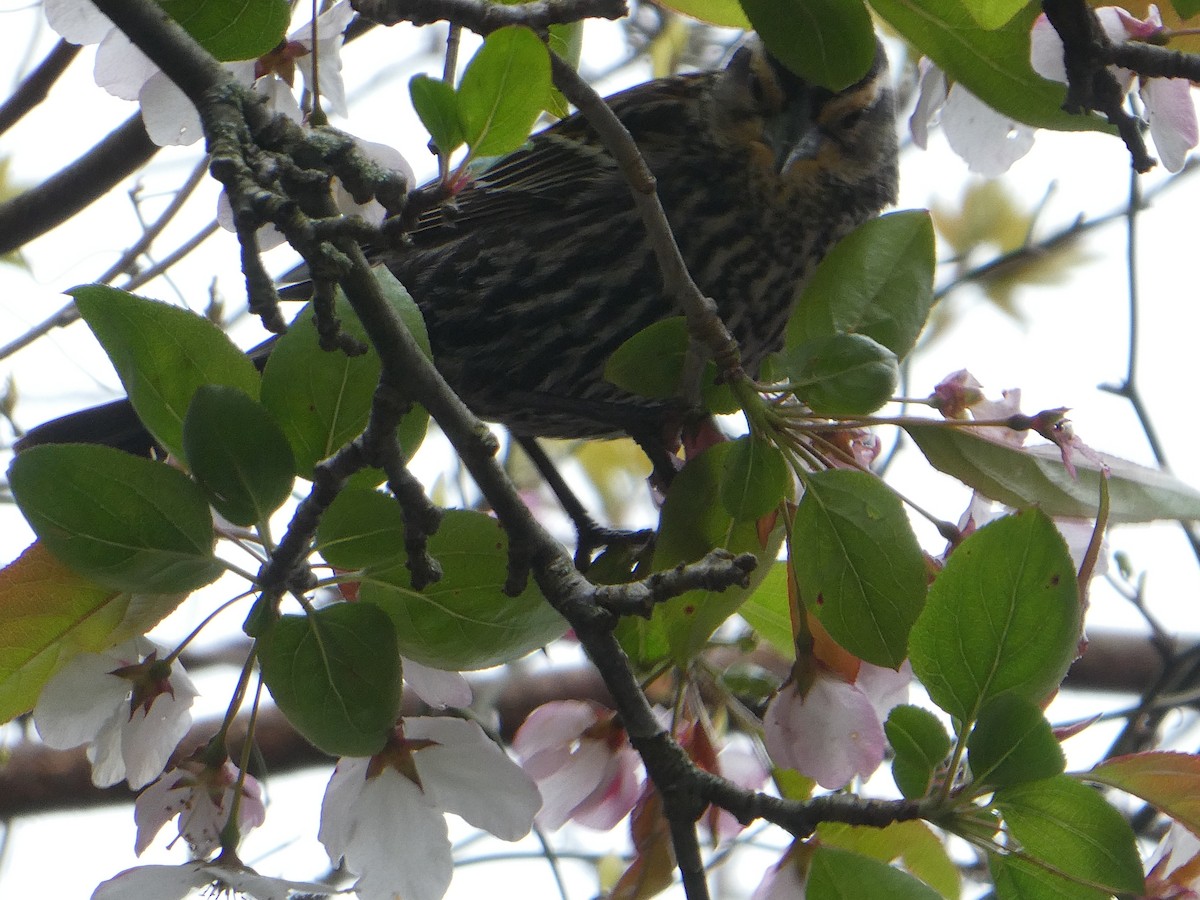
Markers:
<point>850,119</point>
<point>757,94</point>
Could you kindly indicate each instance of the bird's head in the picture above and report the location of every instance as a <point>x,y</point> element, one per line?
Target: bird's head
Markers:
<point>796,127</point>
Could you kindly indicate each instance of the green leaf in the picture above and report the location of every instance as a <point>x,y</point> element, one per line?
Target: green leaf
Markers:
<point>913,844</point>
<point>992,63</point>
<point>232,29</point>
<point>1020,879</point>
<point>920,743</point>
<point>322,399</point>
<point>716,12</point>
<point>503,91</point>
<point>1186,8</point>
<point>362,529</point>
<point>335,673</point>
<point>994,13</point>
<point>839,874</point>
<point>567,41</point>
<point>237,453</point>
<point>828,42</point>
<point>858,565</point>
<point>464,621</point>
<point>1003,615</point>
<point>1036,476</point>
<point>1012,743</point>
<point>767,611</point>
<point>1169,781</point>
<point>162,354</point>
<point>48,614</point>
<point>842,374</point>
<point>651,363</point>
<point>877,281</point>
<point>124,522</point>
<point>690,526</point>
<point>1073,828</point>
<point>755,479</point>
<point>436,103</point>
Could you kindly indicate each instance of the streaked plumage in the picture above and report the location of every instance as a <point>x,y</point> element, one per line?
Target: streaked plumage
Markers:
<point>541,268</point>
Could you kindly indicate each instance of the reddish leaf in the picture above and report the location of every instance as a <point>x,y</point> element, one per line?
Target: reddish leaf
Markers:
<point>1170,781</point>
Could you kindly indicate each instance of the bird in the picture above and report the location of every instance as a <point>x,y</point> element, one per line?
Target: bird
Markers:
<point>540,267</point>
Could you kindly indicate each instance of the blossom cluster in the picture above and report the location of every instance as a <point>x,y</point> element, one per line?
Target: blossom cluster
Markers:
<point>991,142</point>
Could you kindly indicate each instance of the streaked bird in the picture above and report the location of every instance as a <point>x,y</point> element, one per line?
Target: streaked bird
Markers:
<point>541,267</point>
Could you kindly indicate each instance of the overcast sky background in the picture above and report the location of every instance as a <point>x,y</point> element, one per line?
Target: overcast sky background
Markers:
<point>1074,339</point>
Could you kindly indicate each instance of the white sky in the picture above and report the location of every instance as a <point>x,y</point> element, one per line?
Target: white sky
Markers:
<point>1075,340</point>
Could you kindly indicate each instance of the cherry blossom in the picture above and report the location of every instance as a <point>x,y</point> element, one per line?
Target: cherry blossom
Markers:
<point>1170,109</point>
<point>582,762</point>
<point>988,141</point>
<point>129,708</point>
<point>202,797</point>
<point>788,878</point>
<point>437,687</point>
<point>170,118</point>
<point>833,731</point>
<point>216,878</point>
<point>384,816</point>
<point>740,763</point>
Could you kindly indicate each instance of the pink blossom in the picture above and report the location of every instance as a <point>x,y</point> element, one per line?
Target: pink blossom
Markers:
<point>582,762</point>
<point>740,763</point>
<point>788,878</point>
<point>955,394</point>
<point>202,797</point>
<point>833,731</point>
<point>1168,101</point>
<point>128,707</point>
<point>431,767</point>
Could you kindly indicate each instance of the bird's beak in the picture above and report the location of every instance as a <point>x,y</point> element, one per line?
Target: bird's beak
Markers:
<point>793,135</point>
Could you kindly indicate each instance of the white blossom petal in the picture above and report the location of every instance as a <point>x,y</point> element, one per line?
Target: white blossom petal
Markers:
<point>75,703</point>
<point>156,806</point>
<point>1172,114</point>
<point>988,141</point>
<point>159,882</point>
<point>931,96</point>
<point>387,831</point>
<point>280,97</point>
<point>77,21</point>
<point>169,116</point>
<point>121,68</point>
<point>104,752</point>
<point>437,687</point>
<point>473,778</point>
<point>1046,50</point>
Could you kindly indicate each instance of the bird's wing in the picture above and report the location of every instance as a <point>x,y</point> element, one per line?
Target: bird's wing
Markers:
<point>564,164</point>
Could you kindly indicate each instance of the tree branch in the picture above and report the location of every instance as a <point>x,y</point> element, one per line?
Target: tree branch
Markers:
<point>33,90</point>
<point>62,196</point>
<point>1090,85</point>
<point>484,17</point>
